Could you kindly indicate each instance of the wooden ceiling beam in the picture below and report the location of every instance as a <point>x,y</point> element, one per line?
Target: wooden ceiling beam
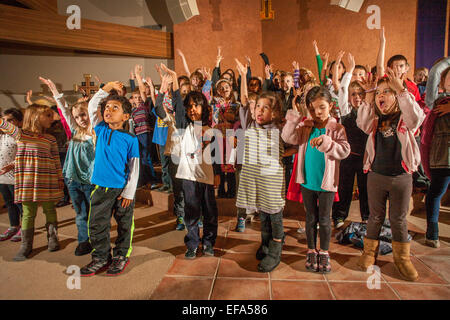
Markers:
<point>44,29</point>
<point>50,6</point>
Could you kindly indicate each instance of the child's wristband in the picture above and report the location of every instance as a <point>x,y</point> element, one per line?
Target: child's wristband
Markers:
<point>371,90</point>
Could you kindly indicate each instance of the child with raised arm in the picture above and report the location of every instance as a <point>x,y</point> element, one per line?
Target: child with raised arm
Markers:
<point>115,176</point>
<point>197,167</point>
<point>79,162</point>
<point>8,149</point>
<point>351,96</point>
<point>391,117</point>
<point>261,185</point>
<point>322,144</point>
<point>37,173</point>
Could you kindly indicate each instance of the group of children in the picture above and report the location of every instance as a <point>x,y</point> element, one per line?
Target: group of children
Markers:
<point>287,136</point>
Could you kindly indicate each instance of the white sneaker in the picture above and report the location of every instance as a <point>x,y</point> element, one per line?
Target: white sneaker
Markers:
<point>432,243</point>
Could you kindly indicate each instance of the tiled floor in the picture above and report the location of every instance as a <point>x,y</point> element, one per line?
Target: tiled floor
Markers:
<point>232,272</point>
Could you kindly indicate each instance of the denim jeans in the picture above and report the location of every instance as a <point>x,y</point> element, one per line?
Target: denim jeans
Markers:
<point>146,171</point>
<point>80,195</point>
<point>14,209</point>
<point>199,200</point>
<point>440,179</point>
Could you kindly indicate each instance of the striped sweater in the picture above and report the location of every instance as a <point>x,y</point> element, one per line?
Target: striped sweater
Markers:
<point>37,172</point>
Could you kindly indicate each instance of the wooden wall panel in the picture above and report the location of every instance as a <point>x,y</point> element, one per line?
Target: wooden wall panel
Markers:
<point>50,6</point>
<point>40,28</point>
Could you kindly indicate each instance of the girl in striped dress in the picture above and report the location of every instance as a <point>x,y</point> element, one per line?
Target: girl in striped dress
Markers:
<point>38,175</point>
<point>261,186</point>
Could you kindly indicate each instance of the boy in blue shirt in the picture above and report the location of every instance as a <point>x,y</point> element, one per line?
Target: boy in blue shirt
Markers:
<point>115,176</point>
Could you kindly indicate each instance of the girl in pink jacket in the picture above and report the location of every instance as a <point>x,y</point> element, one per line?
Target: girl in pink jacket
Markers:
<point>322,144</point>
<point>391,117</point>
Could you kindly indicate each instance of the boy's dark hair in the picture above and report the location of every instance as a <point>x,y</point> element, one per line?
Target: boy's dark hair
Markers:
<point>126,105</point>
<point>317,92</point>
<point>185,78</point>
<point>373,70</point>
<point>257,79</point>
<point>15,113</point>
<point>358,66</point>
<point>397,57</point>
<point>199,99</point>
<point>331,69</point>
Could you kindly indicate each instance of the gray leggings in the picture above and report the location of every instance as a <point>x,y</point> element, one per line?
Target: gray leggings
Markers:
<point>398,190</point>
<point>318,207</point>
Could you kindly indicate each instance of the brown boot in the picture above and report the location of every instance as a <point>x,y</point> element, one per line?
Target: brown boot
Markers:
<point>369,255</point>
<point>402,260</point>
<point>52,236</point>
<point>26,246</point>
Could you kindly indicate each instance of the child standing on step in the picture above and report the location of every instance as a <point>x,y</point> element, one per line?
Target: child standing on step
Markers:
<point>38,175</point>
<point>322,144</point>
<point>391,117</point>
<point>79,162</point>
<point>115,176</point>
<point>261,185</point>
<point>8,149</point>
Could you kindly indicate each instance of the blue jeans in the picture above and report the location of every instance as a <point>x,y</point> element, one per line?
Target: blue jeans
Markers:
<point>14,209</point>
<point>146,171</point>
<point>440,179</point>
<point>80,195</point>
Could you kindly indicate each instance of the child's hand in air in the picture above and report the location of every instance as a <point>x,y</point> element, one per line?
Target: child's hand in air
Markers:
<point>125,202</point>
<point>316,142</point>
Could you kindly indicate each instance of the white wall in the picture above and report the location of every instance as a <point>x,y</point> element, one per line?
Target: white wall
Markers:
<point>21,67</point>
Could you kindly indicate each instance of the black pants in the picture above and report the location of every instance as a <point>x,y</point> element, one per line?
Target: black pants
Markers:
<point>318,209</point>
<point>177,187</point>
<point>348,168</point>
<point>272,224</point>
<point>230,179</point>
<point>199,200</point>
<point>104,204</point>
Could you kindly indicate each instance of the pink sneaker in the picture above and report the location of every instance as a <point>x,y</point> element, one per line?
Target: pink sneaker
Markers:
<point>17,237</point>
<point>8,233</point>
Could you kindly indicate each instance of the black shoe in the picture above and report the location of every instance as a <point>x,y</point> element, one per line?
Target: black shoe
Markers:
<point>83,248</point>
<point>190,254</point>
<point>208,251</point>
<point>117,266</point>
<point>95,266</point>
<point>62,203</point>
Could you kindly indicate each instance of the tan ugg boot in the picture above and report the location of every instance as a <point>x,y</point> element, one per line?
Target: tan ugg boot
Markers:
<point>52,236</point>
<point>401,252</point>
<point>26,246</point>
<point>369,255</point>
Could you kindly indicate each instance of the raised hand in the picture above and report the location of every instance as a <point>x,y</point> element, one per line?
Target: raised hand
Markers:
<point>180,53</point>
<point>296,65</point>
<point>219,56</point>
<point>350,62</point>
<point>339,57</point>
<point>267,70</point>
<point>395,80</point>
<point>241,68</point>
<point>50,85</point>
<point>29,94</point>
<point>316,49</point>
<point>249,61</point>
<point>138,70</point>
<point>98,79</point>
<point>206,73</point>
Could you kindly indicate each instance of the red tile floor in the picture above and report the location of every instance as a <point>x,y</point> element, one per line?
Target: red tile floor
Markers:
<point>232,272</point>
